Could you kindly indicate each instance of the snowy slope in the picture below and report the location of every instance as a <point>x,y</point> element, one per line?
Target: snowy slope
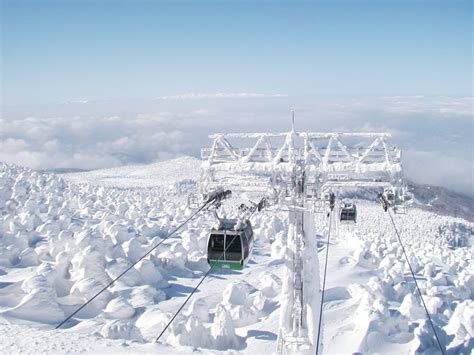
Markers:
<point>185,169</point>
<point>442,201</point>
<point>60,242</point>
<point>163,173</point>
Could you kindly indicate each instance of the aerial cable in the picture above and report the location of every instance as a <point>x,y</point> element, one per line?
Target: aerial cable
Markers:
<point>258,207</point>
<point>324,282</point>
<point>194,290</point>
<point>263,203</point>
<point>136,262</point>
<point>416,284</point>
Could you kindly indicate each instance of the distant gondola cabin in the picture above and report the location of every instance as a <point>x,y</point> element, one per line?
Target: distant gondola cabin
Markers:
<point>348,213</point>
<point>230,245</point>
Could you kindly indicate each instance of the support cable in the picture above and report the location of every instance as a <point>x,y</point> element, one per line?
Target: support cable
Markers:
<point>416,284</point>
<point>136,262</point>
<point>324,283</point>
<point>194,290</point>
<point>257,207</point>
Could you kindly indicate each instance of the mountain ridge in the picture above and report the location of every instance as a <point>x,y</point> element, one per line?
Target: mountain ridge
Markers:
<point>433,198</point>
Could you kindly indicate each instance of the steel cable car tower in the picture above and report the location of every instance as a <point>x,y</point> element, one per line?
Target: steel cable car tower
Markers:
<point>298,172</point>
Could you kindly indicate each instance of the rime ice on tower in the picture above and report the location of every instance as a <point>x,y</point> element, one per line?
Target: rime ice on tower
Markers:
<point>297,171</point>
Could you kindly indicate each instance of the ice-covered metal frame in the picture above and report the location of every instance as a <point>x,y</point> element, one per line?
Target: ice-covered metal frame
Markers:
<point>334,151</point>
<point>328,160</point>
<point>301,173</point>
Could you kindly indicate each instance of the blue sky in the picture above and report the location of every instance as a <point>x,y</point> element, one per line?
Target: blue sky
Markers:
<point>55,51</point>
<point>94,84</point>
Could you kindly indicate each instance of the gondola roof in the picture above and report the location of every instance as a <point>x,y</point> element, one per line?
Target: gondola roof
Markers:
<point>231,224</point>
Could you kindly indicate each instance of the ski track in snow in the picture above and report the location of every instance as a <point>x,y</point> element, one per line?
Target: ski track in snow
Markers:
<point>62,239</point>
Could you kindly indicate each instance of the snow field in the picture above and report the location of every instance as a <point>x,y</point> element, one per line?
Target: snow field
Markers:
<point>61,242</point>
<point>383,307</point>
<point>74,239</point>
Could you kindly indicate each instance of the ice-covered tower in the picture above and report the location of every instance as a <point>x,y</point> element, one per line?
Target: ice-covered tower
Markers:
<point>296,171</point>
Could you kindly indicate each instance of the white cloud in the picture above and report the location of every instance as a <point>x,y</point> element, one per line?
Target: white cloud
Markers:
<point>461,106</point>
<point>87,142</point>
<point>438,168</point>
<point>79,101</point>
<point>220,95</point>
<point>435,134</point>
<point>12,145</point>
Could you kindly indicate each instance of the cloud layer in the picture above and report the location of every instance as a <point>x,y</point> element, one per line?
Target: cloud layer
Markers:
<point>87,143</point>
<point>220,95</point>
<point>435,133</point>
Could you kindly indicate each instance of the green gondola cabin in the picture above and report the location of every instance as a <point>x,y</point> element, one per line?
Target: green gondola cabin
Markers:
<point>230,245</point>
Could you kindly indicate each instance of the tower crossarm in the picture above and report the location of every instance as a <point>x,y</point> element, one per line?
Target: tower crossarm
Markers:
<point>249,161</point>
<point>319,152</point>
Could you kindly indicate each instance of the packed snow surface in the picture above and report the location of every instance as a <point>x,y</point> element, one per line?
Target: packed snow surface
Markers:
<point>62,239</point>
